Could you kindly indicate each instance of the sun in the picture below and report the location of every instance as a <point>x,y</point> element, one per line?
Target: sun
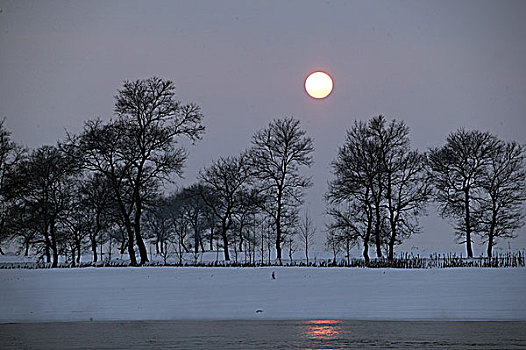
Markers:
<point>318,85</point>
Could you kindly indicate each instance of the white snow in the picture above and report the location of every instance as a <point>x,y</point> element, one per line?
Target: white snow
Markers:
<point>157,293</point>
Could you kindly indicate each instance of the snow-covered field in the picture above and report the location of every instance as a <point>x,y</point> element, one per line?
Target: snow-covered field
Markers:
<point>160,293</point>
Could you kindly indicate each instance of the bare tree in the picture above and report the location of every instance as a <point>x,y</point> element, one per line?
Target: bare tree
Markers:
<point>456,172</point>
<point>224,180</point>
<point>249,203</point>
<point>76,226</point>
<point>335,243</point>
<point>158,223</point>
<point>402,175</point>
<point>138,151</point>
<point>98,205</point>
<point>354,195</point>
<point>503,183</point>
<point>42,183</point>
<point>306,233</point>
<point>10,155</point>
<point>196,212</point>
<point>379,179</point>
<point>278,152</point>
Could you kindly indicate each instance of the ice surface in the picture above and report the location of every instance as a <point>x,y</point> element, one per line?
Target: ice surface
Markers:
<point>159,293</point>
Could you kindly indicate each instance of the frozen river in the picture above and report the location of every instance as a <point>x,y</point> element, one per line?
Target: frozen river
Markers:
<point>315,334</point>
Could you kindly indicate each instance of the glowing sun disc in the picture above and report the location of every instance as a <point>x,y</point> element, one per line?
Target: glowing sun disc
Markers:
<point>318,85</point>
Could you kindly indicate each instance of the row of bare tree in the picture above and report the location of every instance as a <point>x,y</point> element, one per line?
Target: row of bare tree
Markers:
<point>108,180</point>
<point>105,186</point>
<point>381,186</point>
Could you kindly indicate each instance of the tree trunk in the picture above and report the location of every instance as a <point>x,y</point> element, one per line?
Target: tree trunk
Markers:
<point>269,246</point>
<point>72,257</point>
<point>366,250</point>
<point>94,248</point>
<point>101,248</point>
<point>235,248</point>
<point>196,239</point>
<point>392,240</point>
<point>278,228</point>
<point>78,252</point>
<point>53,245</point>
<point>55,258</point>
<point>94,238</point>
<point>2,252</point>
<point>491,233</point>
<point>377,233</point>
<point>26,250</point>
<point>490,247</point>
<point>468,224</point>
<point>307,248</point>
<point>128,227</point>
<point>137,228</point>
<point>368,235</point>
<point>348,251</point>
<point>262,246</point>
<point>390,255</point>
<point>278,241</point>
<point>109,251</point>
<point>131,238</point>
<point>131,251</point>
<point>224,230</point>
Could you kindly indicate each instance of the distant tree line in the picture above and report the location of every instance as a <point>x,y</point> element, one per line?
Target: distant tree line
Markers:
<point>103,188</point>
<point>381,186</point>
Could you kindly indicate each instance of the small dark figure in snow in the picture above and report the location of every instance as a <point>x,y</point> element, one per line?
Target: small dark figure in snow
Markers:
<point>273,275</point>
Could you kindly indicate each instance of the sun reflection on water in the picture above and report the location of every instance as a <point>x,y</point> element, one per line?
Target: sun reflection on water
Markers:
<point>322,329</point>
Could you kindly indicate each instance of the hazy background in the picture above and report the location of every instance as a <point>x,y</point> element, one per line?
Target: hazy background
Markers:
<point>437,65</point>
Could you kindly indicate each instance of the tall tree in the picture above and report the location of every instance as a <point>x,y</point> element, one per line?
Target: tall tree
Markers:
<point>503,184</point>
<point>222,182</point>
<point>355,195</point>
<point>378,180</point>
<point>456,172</point>
<point>98,205</point>
<point>138,150</point>
<point>10,155</point>
<point>402,176</point>
<point>306,234</point>
<point>278,153</point>
<point>43,190</point>
<point>75,221</point>
<point>350,194</point>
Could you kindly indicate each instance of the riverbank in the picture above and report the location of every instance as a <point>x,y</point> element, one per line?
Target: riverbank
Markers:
<point>165,293</point>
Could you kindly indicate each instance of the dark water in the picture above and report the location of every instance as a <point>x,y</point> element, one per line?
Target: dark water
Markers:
<point>264,335</point>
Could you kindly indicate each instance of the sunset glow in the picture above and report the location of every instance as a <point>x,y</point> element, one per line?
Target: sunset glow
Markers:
<point>318,85</point>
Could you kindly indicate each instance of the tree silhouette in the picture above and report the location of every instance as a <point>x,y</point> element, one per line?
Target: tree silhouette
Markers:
<point>138,150</point>
<point>222,182</point>
<point>277,154</point>
<point>456,172</point>
<point>503,183</point>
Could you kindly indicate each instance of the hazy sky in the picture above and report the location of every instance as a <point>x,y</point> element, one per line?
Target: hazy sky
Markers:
<point>437,65</point>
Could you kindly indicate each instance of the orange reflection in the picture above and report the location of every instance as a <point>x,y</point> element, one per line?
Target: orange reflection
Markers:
<point>322,329</point>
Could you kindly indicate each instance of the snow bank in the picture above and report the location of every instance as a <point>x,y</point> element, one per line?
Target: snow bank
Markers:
<point>251,293</point>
